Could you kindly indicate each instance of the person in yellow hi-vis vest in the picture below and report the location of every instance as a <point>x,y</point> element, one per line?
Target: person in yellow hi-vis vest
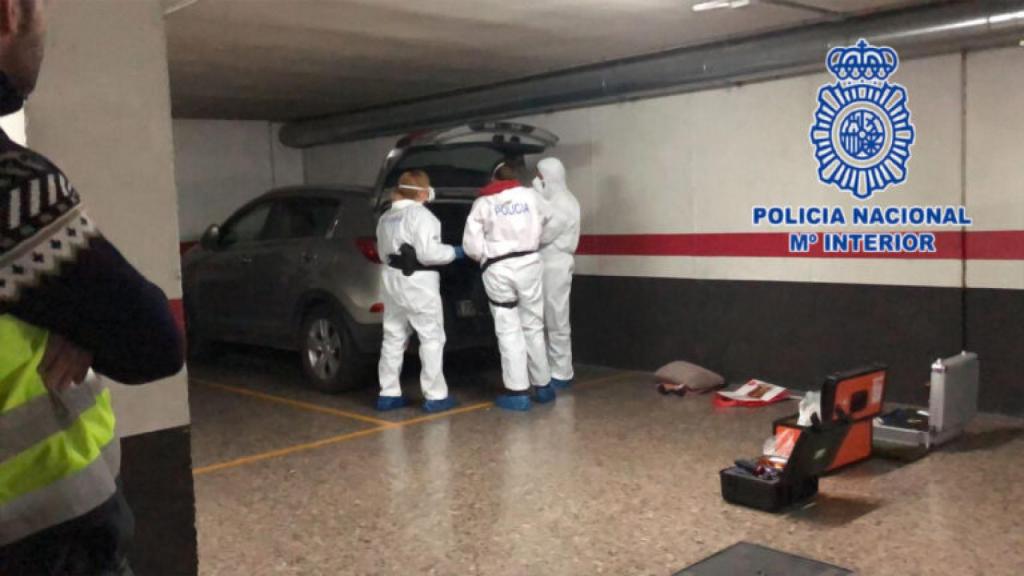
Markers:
<point>71,307</point>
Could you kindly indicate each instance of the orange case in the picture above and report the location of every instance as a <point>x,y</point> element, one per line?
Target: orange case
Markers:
<point>857,445</point>
<point>857,393</point>
<point>855,448</point>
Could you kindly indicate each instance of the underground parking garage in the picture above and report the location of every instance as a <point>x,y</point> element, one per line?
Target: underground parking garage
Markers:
<point>662,287</point>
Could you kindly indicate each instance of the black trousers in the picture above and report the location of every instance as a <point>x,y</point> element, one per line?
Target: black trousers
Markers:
<point>95,544</point>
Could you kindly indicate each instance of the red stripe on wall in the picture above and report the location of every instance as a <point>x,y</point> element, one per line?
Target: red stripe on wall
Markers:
<point>1000,245</point>
<point>995,245</point>
<point>950,245</point>
<point>178,311</point>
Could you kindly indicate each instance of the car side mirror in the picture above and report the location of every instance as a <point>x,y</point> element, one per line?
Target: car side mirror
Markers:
<point>211,238</point>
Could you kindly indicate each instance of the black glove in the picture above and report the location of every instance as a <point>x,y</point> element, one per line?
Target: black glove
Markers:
<point>405,260</point>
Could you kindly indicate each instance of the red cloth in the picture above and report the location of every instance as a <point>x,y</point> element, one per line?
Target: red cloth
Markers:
<point>498,186</point>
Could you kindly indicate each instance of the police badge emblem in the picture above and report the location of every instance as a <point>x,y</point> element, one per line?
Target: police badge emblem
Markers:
<point>862,132</point>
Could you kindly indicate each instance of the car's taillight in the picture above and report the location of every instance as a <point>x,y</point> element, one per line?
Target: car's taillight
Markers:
<point>377,308</point>
<point>368,247</point>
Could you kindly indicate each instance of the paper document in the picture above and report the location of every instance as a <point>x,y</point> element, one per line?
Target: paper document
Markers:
<point>754,393</point>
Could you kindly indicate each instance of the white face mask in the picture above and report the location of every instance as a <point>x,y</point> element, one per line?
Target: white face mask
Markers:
<point>538,184</point>
<point>431,195</point>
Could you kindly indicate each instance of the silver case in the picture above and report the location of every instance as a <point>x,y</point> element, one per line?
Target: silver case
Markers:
<point>953,403</point>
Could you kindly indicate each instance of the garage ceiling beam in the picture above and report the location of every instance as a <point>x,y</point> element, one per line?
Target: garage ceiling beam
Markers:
<point>919,32</point>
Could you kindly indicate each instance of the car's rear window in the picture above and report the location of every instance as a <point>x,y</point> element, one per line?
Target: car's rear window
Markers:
<point>461,165</point>
<point>454,167</point>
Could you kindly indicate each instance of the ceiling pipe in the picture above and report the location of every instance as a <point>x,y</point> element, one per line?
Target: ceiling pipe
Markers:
<point>914,33</point>
<point>179,6</point>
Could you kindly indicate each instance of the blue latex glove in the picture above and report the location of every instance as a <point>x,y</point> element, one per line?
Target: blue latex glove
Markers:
<point>459,253</point>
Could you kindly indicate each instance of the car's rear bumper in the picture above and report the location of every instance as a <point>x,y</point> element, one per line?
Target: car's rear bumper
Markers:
<point>468,333</point>
<point>467,341</point>
<point>460,334</point>
<point>367,337</point>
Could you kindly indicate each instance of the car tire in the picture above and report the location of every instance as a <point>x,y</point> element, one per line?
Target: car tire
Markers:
<point>329,358</point>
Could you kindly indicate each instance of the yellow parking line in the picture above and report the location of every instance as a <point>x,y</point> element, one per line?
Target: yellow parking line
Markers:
<point>452,412</point>
<point>332,440</point>
<point>294,403</point>
<point>383,424</point>
<point>603,379</point>
<point>287,451</point>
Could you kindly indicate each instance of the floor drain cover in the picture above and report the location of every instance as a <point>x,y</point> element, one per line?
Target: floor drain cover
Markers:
<point>746,559</point>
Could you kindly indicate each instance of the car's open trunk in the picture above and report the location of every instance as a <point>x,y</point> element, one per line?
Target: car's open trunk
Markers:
<point>467,318</point>
<point>459,161</point>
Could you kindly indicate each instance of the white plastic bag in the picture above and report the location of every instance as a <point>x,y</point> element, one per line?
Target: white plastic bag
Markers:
<point>809,405</point>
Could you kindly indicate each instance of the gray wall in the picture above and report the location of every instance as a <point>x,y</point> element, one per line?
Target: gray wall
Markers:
<point>662,180</point>
<point>222,164</point>
<point>102,113</point>
<point>349,163</point>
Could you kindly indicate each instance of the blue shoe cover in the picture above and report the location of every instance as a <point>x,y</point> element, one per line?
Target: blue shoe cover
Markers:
<point>386,403</point>
<point>543,394</point>
<point>560,384</point>
<point>433,406</point>
<point>518,403</point>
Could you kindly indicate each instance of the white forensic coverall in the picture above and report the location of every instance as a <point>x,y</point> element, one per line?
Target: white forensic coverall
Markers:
<point>500,224</point>
<point>559,241</point>
<point>412,302</point>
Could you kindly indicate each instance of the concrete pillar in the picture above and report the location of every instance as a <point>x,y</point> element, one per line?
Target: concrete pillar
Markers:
<point>14,126</point>
<point>102,113</point>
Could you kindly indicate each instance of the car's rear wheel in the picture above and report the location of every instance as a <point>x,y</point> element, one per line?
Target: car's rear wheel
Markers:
<point>329,358</point>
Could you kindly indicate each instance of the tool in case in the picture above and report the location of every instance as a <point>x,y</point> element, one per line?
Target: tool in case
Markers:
<point>952,404</point>
<point>796,482</point>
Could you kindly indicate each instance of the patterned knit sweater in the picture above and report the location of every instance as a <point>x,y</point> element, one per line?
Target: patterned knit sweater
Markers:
<point>58,272</point>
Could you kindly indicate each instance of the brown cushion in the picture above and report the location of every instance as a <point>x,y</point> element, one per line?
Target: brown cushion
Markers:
<point>690,375</point>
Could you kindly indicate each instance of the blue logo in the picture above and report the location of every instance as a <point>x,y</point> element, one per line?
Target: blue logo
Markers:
<point>862,132</point>
<point>511,209</point>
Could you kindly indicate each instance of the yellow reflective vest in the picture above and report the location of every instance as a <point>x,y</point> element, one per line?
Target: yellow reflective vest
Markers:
<point>59,452</point>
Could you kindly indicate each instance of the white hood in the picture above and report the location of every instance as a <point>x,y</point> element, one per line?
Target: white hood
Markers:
<point>562,231</point>
<point>554,177</point>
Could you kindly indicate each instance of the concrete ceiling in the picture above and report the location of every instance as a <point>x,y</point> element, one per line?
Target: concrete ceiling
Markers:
<point>292,59</point>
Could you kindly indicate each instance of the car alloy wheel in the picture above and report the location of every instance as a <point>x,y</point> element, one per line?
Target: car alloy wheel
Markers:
<point>323,348</point>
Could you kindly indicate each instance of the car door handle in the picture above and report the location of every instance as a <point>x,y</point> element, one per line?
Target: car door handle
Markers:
<point>246,259</point>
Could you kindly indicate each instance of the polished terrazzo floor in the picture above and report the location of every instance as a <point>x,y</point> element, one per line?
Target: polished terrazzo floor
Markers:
<point>611,479</point>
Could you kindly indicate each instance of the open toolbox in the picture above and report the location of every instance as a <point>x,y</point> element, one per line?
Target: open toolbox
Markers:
<point>854,396</point>
<point>797,481</point>
<point>952,404</point>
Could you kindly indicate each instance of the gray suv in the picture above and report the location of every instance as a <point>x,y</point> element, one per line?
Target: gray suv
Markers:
<point>298,268</point>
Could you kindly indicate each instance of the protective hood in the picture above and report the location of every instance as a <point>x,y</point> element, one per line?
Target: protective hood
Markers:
<point>499,186</point>
<point>554,177</point>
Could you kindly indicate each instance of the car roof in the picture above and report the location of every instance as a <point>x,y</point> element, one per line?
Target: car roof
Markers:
<point>317,191</point>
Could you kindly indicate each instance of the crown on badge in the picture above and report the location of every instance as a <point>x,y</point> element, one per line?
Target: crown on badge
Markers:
<point>862,62</point>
